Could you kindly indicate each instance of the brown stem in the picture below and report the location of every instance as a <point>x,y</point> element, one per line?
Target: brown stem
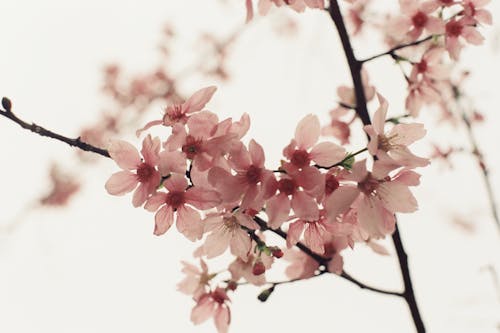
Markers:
<point>392,51</point>
<point>322,261</point>
<point>44,132</point>
<point>355,67</point>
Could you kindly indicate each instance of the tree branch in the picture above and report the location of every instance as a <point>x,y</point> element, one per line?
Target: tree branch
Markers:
<point>392,51</point>
<point>322,261</point>
<point>355,67</point>
<point>7,113</point>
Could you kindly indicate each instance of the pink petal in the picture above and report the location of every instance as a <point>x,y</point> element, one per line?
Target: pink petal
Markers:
<point>336,264</point>
<point>397,197</point>
<point>189,223</point>
<point>201,124</point>
<point>240,244</point>
<point>176,183</point>
<point>373,144</point>
<point>327,153</point>
<point>380,115</point>
<point>340,201</point>
<point>202,198</point>
<point>172,161</point>
<point>249,7</point>
<point>472,35</point>
<point>150,150</point>
<point>203,310</point>
<point>140,195</point>
<point>371,216</point>
<point>124,154</point>
<point>222,319</point>
<point>217,242</point>
<point>406,134</point>
<point>305,207</point>
<point>155,201</point>
<point>435,25</point>
<point>163,220</point>
<point>307,131</point>
<point>257,153</point>
<point>199,99</point>
<point>313,238</point>
<point>277,210</point>
<point>121,182</point>
<point>148,126</point>
<point>294,232</point>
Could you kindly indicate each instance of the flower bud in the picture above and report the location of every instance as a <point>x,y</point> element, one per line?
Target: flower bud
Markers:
<point>258,268</point>
<point>277,253</point>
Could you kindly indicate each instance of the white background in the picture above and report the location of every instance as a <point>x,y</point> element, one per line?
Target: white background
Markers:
<point>96,267</point>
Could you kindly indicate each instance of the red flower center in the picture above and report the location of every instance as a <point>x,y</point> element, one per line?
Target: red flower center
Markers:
<point>175,199</point>
<point>219,296</point>
<point>331,184</point>
<point>287,186</point>
<point>422,66</point>
<point>453,29</point>
<point>191,147</point>
<point>300,158</point>
<point>253,174</point>
<point>419,20</point>
<point>144,172</point>
<point>368,185</point>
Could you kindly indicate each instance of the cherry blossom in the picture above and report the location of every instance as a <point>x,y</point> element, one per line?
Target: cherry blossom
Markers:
<point>177,203</point>
<point>196,281</point>
<point>213,304</point>
<point>146,175</point>
<point>179,113</point>
<point>393,144</point>
<point>417,18</point>
<point>460,28</point>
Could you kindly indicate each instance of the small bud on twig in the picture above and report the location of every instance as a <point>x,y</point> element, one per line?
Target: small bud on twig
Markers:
<point>7,104</point>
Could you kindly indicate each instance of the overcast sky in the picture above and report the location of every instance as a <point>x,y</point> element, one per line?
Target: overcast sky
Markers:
<point>96,267</point>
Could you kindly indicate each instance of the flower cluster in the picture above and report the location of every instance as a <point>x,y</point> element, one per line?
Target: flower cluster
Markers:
<point>216,188</point>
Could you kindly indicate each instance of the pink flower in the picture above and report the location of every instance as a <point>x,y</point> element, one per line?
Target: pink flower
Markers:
<point>430,67</point>
<point>417,18</point>
<point>179,113</point>
<point>460,28</point>
<point>213,304</point>
<point>251,180</point>
<point>473,10</point>
<point>127,157</point>
<point>196,281</point>
<point>226,231</point>
<point>315,233</point>
<point>376,197</point>
<point>303,187</point>
<point>176,201</point>
<point>338,128</point>
<point>304,147</point>
<point>203,143</point>
<point>297,5</point>
<point>63,188</point>
<point>392,145</point>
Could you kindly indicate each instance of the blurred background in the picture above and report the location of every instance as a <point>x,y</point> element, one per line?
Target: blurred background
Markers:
<point>92,264</point>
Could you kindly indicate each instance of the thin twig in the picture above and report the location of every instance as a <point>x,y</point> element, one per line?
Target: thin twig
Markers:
<point>78,143</point>
<point>392,51</point>
<point>322,261</point>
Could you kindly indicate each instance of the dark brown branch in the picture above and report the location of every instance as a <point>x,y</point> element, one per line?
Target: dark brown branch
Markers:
<point>408,294</point>
<point>7,113</point>
<point>355,67</point>
<point>392,52</point>
<point>322,261</point>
